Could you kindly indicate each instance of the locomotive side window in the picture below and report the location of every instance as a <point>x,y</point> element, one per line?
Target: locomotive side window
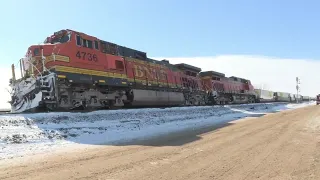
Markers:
<point>119,65</point>
<point>84,43</point>
<point>89,44</point>
<point>96,45</point>
<point>78,40</point>
<point>103,47</point>
<point>36,52</point>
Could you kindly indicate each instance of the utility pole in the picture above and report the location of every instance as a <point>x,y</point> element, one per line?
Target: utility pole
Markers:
<point>297,88</point>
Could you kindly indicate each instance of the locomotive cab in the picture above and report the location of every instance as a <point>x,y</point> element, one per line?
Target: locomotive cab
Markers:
<point>38,57</point>
<point>60,37</point>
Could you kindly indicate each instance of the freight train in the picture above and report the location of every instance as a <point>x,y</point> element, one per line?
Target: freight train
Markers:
<point>72,70</point>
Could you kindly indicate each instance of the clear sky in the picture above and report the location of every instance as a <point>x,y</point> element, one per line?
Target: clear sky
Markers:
<point>169,28</point>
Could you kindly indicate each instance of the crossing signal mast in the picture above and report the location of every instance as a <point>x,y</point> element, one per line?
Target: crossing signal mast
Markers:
<point>297,88</point>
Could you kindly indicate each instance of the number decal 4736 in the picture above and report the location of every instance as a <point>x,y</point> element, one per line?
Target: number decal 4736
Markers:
<point>87,56</point>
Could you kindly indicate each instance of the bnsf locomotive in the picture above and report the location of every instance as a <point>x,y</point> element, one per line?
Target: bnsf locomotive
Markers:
<point>73,70</point>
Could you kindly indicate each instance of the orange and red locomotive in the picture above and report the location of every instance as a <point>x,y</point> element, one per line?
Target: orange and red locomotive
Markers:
<point>72,69</point>
<point>225,90</point>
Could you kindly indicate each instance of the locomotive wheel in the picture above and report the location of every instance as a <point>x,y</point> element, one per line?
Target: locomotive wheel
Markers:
<point>51,107</point>
<point>251,100</point>
<point>111,104</point>
<point>231,99</point>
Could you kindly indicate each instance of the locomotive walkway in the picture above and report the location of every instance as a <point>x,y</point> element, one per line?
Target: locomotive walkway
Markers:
<point>284,145</point>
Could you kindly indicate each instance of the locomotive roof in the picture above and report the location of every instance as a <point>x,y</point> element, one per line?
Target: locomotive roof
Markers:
<point>187,66</point>
<point>163,62</point>
<point>212,73</point>
<point>239,78</point>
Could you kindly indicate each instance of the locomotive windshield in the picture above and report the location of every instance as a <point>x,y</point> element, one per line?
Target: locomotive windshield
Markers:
<point>59,37</point>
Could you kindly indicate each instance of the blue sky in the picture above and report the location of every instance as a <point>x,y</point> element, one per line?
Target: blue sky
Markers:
<point>169,28</point>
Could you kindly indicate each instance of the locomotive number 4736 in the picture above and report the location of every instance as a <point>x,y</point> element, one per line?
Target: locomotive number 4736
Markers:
<point>87,56</point>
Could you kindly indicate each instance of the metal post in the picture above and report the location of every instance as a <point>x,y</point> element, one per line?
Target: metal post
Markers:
<point>32,71</point>
<point>297,88</point>
<point>13,73</point>
<point>43,59</point>
<point>21,68</point>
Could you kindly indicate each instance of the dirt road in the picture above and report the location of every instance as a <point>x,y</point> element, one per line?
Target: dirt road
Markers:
<point>284,145</point>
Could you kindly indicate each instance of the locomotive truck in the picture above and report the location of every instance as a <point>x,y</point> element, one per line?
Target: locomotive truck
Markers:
<point>72,70</point>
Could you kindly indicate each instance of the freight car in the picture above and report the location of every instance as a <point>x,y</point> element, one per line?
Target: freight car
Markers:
<point>306,98</point>
<point>292,97</point>
<point>73,70</point>
<point>264,95</point>
<point>282,96</point>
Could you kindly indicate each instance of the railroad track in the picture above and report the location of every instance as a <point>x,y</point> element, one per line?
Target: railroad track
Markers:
<point>149,107</point>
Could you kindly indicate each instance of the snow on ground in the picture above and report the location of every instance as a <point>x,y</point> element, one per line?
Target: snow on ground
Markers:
<point>26,134</point>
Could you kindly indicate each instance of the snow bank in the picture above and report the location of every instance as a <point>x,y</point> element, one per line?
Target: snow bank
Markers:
<point>33,133</point>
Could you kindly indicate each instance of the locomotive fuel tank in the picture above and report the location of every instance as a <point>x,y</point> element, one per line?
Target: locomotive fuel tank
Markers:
<point>156,98</point>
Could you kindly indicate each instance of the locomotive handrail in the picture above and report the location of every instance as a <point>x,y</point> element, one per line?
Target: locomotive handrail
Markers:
<point>28,61</point>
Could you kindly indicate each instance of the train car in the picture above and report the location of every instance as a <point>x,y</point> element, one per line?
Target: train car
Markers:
<point>282,97</point>
<point>293,98</point>
<point>306,98</point>
<point>192,85</point>
<point>227,90</point>
<point>298,98</point>
<point>72,70</point>
<point>264,95</point>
